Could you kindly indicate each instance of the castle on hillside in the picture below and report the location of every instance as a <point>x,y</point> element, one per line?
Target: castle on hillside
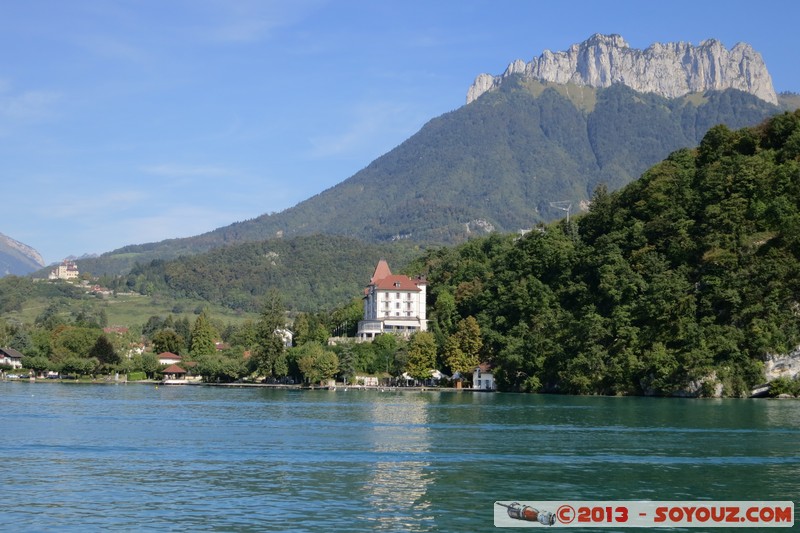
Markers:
<point>392,304</point>
<point>66,270</point>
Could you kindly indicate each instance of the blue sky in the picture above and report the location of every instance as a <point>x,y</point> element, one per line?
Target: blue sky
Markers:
<point>125,122</point>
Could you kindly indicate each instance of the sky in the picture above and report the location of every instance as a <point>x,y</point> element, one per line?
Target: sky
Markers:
<point>133,121</point>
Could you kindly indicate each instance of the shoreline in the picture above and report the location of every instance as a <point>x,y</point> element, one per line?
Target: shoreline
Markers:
<point>338,387</point>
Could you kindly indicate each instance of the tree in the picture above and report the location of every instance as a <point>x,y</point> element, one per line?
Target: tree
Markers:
<point>167,340</point>
<point>218,368</point>
<point>347,362</point>
<point>385,349</point>
<point>147,363</point>
<point>270,346</point>
<point>78,366</point>
<point>245,335</point>
<point>37,363</point>
<point>463,347</point>
<point>421,355</point>
<point>71,341</point>
<point>153,324</point>
<point>104,352</point>
<point>316,363</point>
<point>203,336</point>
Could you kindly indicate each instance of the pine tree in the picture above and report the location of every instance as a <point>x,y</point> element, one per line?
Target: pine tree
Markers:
<point>203,336</point>
<point>269,342</point>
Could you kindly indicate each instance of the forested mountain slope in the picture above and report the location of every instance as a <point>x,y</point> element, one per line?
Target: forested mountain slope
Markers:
<point>495,164</point>
<point>311,273</point>
<point>679,283</point>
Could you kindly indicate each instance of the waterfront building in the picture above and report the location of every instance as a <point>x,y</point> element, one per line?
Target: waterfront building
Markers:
<point>393,303</point>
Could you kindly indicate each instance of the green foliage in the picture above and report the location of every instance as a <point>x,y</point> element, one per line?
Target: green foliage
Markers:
<point>146,363</point>
<point>421,355</point>
<point>463,347</point>
<point>269,356</point>
<point>216,368</point>
<point>203,336</point>
<point>105,352</point>
<point>311,273</point>
<point>167,340</point>
<point>784,386</point>
<point>78,366</point>
<point>687,272</point>
<point>38,364</point>
<point>71,342</point>
<point>316,362</point>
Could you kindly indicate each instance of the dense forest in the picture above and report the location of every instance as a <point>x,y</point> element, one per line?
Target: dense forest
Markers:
<point>679,283</point>
<point>311,273</point>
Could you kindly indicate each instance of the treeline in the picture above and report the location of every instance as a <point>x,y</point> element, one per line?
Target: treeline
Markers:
<point>311,273</point>
<point>76,344</point>
<point>680,283</point>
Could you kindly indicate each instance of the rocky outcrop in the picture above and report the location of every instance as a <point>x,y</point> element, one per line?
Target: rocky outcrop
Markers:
<point>668,69</point>
<point>782,365</point>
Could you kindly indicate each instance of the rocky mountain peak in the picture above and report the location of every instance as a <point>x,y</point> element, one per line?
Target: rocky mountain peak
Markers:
<point>668,69</point>
<point>17,258</point>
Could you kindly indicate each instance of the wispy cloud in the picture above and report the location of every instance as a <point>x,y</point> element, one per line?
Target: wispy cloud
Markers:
<point>252,20</point>
<point>369,122</point>
<point>94,204</point>
<point>113,48</point>
<point>187,171</point>
<point>27,105</point>
<point>172,222</point>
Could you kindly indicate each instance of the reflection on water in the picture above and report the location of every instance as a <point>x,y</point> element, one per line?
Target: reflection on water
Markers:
<point>397,488</point>
<point>136,458</point>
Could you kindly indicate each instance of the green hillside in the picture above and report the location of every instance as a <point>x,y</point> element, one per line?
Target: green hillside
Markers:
<point>679,283</point>
<point>311,273</point>
<point>496,163</point>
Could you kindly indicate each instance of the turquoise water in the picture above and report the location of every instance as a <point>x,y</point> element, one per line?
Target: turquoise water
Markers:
<point>190,458</point>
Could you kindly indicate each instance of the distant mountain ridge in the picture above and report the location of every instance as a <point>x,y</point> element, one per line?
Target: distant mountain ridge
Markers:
<point>18,259</point>
<point>494,165</point>
<point>501,162</point>
<point>667,69</point>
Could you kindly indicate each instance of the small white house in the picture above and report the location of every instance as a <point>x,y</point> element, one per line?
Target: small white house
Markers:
<point>482,378</point>
<point>168,358</point>
<point>286,336</point>
<point>11,357</point>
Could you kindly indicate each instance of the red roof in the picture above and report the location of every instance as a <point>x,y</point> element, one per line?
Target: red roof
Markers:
<point>173,369</point>
<point>397,283</point>
<point>169,355</point>
<point>381,271</point>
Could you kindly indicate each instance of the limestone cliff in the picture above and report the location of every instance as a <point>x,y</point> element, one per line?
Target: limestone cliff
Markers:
<point>17,258</point>
<point>668,69</point>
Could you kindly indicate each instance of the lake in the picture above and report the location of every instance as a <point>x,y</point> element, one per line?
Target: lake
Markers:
<point>137,457</point>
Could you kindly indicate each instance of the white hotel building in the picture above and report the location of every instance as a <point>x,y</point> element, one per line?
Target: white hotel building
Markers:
<point>392,304</point>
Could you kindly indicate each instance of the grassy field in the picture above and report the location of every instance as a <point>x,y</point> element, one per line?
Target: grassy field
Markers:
<point>133,309</point>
